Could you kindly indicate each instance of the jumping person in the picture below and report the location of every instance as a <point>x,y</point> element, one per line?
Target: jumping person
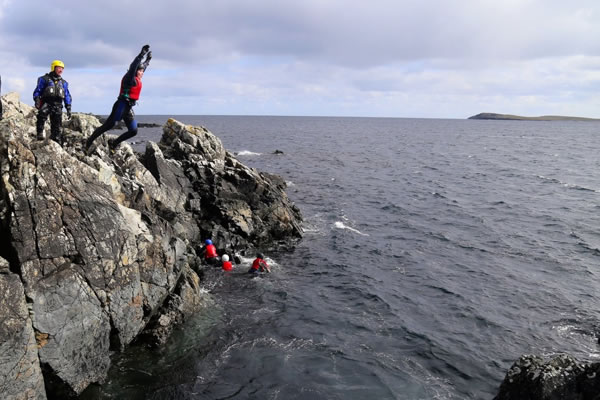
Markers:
<point>49,94</point>
<point>259,265</point>
<point>131,87</point>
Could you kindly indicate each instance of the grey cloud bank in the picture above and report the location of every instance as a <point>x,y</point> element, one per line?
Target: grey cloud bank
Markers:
<point>385,58</point>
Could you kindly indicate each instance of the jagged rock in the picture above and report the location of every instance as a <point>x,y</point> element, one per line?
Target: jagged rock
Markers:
<point>12,107</point>
<point>105,244</point>
<point>20,373</point>
<point>187,299</point>
<point>243,205</point>
<point>560,378</point>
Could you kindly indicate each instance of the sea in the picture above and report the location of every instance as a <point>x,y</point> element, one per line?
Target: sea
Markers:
<point>435,253</point>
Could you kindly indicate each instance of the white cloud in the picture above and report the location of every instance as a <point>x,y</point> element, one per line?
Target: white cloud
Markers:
<point>448,58</point>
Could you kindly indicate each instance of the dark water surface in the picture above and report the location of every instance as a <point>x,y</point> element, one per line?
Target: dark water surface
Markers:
<point>436,252</point>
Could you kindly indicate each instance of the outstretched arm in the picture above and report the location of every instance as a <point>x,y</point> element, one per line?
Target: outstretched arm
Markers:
<point>129,77</point>
<point>146,61</point>
<point>265,266</point>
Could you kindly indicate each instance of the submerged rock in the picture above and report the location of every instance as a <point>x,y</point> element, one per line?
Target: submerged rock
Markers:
<point>104,247</point>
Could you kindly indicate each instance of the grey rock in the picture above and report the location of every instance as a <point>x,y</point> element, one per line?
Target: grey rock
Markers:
<point>187,299</point>
<point>560,378</point>
<point>106,244</point>
<point>20,373</point>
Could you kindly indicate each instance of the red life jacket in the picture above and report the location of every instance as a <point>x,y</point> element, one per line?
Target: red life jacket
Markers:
<point>227,266</point>
<point>258,264</point>
<point>132,92</point>
<point>211,251</point>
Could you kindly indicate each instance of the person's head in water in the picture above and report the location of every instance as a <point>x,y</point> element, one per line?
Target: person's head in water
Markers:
<point>208,241</point>
<point>260,255</point>
<point>225,257</point>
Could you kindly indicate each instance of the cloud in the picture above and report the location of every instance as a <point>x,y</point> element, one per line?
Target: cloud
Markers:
<point>313,56</point>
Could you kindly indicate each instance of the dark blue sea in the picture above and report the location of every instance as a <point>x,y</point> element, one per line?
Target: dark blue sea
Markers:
<point>435,253</point>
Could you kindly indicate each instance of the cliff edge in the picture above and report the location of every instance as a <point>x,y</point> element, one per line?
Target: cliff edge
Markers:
<point>98,249</point>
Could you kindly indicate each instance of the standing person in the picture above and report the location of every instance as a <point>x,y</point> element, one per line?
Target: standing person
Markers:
<point>129,94</point>
<point>259,265</point>
<point>210,253</point>
<point>227,266</point>
<point>49,94</point>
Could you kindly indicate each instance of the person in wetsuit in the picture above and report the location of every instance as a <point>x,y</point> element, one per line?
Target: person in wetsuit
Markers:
<point>131,87</point>
<point>210,253</point>
<point>49,94</point>
<point>259,265</point>
<point>227,266</point>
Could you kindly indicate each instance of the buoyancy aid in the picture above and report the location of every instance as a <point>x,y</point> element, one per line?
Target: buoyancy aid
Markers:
<point>131,92</point>
<point>227,266</point>
<point>211,251</point>
<point>54,88</point>
<point>258,264</point>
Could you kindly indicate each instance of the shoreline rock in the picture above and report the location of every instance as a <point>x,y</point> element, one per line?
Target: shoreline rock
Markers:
<point>560,378</point>
<point>105,248</point>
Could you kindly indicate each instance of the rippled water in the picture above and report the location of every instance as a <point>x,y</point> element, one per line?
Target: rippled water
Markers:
<point>436,252</point>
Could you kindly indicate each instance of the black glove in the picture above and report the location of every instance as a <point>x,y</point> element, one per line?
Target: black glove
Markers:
<point>37,102</point>
<point>68,112</point>
<point>145,49</point>
<point>149,56</point>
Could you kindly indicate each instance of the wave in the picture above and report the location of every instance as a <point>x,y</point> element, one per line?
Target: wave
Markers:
<point>586,243</point>
<point>247,153</point>
<point>341,225</point>
<point>583,334</point>
<point>310,229</point>
<point>566,184</point>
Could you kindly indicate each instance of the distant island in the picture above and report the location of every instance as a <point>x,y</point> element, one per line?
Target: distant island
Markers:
<point>520,118</point>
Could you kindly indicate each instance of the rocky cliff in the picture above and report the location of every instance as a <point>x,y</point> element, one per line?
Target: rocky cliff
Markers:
<point>99,249</point>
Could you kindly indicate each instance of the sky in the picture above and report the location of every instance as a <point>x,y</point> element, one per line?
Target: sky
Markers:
<point>377,58</point>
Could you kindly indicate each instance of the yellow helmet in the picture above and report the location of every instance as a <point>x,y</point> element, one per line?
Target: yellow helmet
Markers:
<point>56,63</point>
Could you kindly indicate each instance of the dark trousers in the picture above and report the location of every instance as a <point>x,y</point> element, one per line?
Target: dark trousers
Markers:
<point>54,110</point>
<point>122,110</point>
<point>213,260</point>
